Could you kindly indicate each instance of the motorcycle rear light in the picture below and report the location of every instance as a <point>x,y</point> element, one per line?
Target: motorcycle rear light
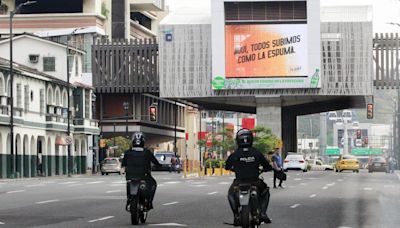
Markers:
<point>301,161</point>
<point>286,161</point>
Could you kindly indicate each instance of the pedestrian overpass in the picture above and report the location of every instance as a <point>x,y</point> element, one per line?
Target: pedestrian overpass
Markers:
<point>354,62</point>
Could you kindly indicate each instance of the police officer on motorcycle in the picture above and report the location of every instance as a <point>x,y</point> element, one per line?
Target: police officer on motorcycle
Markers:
<point>137,162</point>
<point>246,162</point>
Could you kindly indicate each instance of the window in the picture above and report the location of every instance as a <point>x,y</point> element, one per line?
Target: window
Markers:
<point>19,96</point>
<point>49,64</point>
<point>41,101</point>
<point>26,98</point>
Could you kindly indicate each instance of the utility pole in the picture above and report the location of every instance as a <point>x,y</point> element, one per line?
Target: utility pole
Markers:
<point>323,133</point>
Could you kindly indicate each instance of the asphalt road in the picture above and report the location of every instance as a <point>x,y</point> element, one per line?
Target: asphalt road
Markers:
<point>313,199</point>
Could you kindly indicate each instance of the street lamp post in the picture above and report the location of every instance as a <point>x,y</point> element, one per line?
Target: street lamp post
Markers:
<point>12,13</point>
<point>126,108</point>
<point>68,103</point>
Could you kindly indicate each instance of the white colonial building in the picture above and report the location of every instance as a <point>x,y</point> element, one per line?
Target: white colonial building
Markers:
<point>40,109</point>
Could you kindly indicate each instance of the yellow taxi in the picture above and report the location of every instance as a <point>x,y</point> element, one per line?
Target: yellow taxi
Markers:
<point>347,162</point>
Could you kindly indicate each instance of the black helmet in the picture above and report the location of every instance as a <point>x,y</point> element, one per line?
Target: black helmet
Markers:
<point>138,139</point>
<point>244,138</point>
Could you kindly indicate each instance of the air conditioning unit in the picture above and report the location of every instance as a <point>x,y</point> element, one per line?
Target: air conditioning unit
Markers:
<point>33,58</point>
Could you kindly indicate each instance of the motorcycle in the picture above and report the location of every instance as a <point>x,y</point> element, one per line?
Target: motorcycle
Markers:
<point>249,208</point>
<point>138,201</point>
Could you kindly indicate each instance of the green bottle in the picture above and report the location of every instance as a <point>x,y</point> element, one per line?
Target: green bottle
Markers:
<point>315,79</point>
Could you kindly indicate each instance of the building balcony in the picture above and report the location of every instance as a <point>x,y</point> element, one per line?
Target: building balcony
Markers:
<point>86,126</point>
<point>4,110</point>
<point>39,22</point>
<point>147,5</point>
<point>140,32</point>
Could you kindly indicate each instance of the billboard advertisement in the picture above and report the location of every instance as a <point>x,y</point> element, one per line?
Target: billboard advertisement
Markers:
<point>263,56</point>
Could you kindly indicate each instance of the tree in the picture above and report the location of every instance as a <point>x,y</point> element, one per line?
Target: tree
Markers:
<point>264,141</point>
<point>122,144</point>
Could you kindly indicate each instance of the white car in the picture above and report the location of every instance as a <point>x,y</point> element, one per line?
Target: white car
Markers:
<point>317,164</point>
<point>296,162</point>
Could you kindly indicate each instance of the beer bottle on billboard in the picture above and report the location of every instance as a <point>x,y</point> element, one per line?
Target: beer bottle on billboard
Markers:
<point>315,79</point>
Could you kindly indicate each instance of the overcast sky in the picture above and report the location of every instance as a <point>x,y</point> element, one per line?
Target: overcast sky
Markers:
<point>384,11</point>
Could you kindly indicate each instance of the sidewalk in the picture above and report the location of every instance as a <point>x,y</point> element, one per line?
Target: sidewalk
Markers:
<point>48,177</point>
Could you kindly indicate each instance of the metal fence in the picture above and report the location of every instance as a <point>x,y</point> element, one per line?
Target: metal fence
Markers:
<point>125,66</point>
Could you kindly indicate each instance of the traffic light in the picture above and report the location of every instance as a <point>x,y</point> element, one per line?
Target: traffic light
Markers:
<point>358,134</point>
<point>370,111</point>
<point>153,113</point>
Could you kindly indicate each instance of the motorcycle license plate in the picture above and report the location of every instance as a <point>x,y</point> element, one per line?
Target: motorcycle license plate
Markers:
<point>134,188</point>
<point>244,199</point>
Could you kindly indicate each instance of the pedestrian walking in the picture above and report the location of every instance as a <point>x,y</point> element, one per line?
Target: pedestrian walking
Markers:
<point>172,167</point>
<point>277,165</point>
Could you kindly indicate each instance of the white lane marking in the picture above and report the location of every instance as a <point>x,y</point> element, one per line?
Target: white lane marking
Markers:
<point>2,223</point>
<point>223,183</point>
<point>188,181</point>
<point>212,193</point>
<point>324,187</point>
<point>111,191</point>
<point>199,182</point>
<point>68,182</point>
<point>171,203</point>
<point>304,184</point>
<point>95,182</point>
<point>119,182</point>
<point>340,180</point>
<point>298,174</point>
<point>160,185</point>
<point>16,191</point>
<point>101,219</point>
<point>167,178</point>
<point>313,195</point>
<point>398,175</point>
<point>167,224</point>
<point>388,186</point>
<point>297,179</point>
<point>116,185</point>
<point>331,184</point>
<point>172,182</point>
<point>200,185</point>
<point>368,189</point>
<point>295,205</point>
<point>73,185</point>
<point>34,185</point>
<point>231,178</point>
<point>47,201</point>
<point>345,227</point>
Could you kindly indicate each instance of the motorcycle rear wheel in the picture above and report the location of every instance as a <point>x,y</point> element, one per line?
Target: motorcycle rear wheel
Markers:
<point>245,217</point>
<point>134,208</point>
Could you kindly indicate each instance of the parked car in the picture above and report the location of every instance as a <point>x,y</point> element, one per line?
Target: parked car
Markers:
<point>295,162</point>
<point>347,162</point>
<point>164,157</point>
<point>317,164</point>
<point>111,165</point>
<point>378,164</point>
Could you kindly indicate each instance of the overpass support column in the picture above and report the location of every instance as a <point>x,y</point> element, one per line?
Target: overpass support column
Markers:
<point>289,131</point>
<point>269,114</point>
